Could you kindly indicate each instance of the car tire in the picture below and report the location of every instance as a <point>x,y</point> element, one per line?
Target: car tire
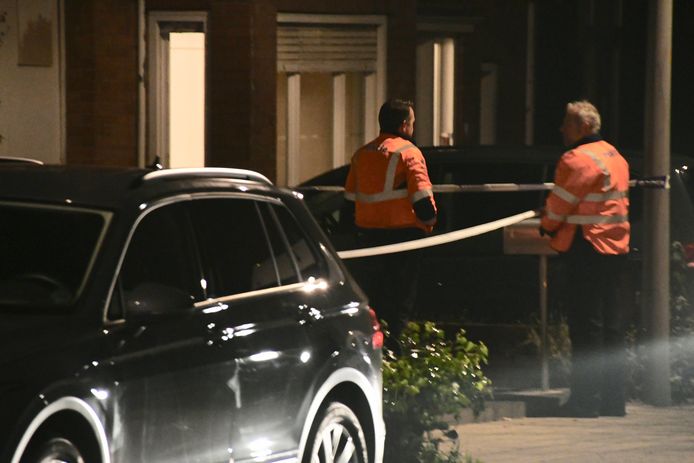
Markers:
<point>337,437</point>
<point>55,450</point>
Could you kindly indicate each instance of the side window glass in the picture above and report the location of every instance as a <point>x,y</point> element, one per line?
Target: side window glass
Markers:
<point>287,266</point>
<point>307,259</point>
<point>234,246</point>
<point>160,271</point>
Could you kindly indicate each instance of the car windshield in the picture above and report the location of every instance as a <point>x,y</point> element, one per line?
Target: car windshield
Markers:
<point>46,253</point>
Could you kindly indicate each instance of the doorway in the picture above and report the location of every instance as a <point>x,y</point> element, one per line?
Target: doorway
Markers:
<point>176,90</point>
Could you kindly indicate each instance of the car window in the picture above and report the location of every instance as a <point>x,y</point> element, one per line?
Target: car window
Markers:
<point>46,252</point>
<point>234,245</point>
<point>160,270</point>
<point>309,261</point>
<point>287,265</point>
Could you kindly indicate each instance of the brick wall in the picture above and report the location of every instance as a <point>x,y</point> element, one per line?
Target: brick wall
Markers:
<point>101,81</point>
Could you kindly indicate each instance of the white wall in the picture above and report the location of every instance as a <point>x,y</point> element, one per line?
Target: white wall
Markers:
<point>30,97</point>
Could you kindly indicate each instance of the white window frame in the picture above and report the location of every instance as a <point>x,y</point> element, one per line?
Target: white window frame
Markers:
<point>158,80</point>
<point>374,86</point>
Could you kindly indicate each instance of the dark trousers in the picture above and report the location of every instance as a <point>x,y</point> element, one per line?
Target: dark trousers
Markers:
<point>390,280</point>
<point>596,328</point>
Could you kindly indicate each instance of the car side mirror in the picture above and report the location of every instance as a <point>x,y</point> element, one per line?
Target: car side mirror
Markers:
<point>156,299</point>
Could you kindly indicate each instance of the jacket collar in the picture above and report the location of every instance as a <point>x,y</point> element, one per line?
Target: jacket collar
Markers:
<point>585,140</point>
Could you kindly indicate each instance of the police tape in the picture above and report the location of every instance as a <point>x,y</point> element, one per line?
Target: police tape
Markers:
<point>438,239</point>
<point>646,182</point>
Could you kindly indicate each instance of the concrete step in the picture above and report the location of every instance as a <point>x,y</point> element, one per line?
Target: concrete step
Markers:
<point>494,410</point>
<point>538,402</point>
<point>512,404</point>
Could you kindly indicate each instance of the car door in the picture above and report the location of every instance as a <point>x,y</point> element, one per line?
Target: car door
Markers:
<point>171,400</point>
<point>257,314</point>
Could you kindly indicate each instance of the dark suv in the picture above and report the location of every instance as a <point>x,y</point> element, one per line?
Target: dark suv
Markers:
<point>476,280</point>
<point>183,315</point>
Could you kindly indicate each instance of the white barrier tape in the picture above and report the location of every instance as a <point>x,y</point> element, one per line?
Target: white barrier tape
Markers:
<point>647,182</point>
<point>438,239</point>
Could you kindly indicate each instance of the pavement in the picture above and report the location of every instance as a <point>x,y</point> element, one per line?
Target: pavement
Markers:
<point>646,434</point>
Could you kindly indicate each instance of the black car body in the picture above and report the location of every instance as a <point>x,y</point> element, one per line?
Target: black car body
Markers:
<point>475,280</point>
<point>176,316</point>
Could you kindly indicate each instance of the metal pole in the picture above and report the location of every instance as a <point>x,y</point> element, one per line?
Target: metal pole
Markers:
<point>656,257</point>
<point>544,351</point>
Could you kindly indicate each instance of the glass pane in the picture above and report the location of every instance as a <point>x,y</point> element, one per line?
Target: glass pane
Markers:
<point>286,266</point>
<point>315,153</point>
<point>234,245</point>
<point>45,253</point>
<point>306,257</point>
<point>354,114</point>
<point>160,260</point>
<point>282,129</point>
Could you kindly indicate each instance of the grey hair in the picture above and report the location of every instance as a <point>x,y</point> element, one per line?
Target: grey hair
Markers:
<point>585,112</point>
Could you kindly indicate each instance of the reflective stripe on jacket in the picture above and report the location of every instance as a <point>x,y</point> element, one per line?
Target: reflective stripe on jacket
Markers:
<point>591,189</point>
<point>386,177</point>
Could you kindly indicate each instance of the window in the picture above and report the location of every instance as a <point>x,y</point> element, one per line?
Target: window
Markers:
<point>46,252</point>
<point>306,257</point>
<point>160,263</point>
<point>330,81</point>
<point>235,246</point>
<point>287,267</point>
<point>435,91</point>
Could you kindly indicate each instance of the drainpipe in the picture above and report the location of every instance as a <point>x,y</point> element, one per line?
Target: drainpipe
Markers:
<point>656,246</point>
<point>141,90</point>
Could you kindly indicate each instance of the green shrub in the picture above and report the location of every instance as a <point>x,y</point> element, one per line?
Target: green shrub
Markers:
<point>681,336</point>
<point>429,378</point>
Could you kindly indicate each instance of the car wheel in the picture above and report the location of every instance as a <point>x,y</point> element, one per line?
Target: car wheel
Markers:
<point>55,450</point>
<point>338,437</point>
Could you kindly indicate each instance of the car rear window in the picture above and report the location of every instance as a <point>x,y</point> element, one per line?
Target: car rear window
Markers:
<point>46,253</point>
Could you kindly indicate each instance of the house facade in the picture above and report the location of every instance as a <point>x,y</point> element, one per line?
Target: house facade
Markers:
<point>291,87</point>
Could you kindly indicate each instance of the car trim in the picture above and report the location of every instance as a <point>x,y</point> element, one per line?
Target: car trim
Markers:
<point>66,403</point>
<point>309,285</point>
<point>196,172</point>
<point>21,160</point>
<point>373,396</point>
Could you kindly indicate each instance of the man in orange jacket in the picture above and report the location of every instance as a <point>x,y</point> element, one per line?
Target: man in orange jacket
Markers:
<point>390,187</point>
<point>586,215</point>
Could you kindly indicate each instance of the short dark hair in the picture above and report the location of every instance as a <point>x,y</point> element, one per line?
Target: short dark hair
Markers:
<point>393,113</point>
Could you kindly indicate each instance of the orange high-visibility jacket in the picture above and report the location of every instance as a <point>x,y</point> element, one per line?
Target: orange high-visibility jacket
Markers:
<point>386,177</point>
<point>591,189</point>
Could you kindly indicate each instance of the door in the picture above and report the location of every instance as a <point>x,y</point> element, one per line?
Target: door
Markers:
<point>171,405</point>
<point>258,314</point>
<point>176,88</point>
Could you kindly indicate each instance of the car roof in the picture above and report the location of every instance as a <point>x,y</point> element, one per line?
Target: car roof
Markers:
<point>492,154</point>
<point>113,187</point>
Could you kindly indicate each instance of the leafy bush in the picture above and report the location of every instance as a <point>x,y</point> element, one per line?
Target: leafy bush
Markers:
<point>681,335</point>
<point>558,348</point>
<point>428,378</point>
